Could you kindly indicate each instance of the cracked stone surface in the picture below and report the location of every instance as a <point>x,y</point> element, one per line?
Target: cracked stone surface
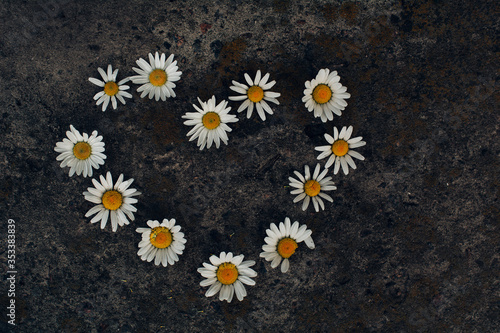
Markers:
<point>410,243</point>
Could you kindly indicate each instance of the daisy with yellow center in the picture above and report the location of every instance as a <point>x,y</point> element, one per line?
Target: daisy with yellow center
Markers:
<point>312,188</point>
<point>227,274</point>
<point>157,77</point>
<point>340,150</point>
<point>163,242</point>
<point>209,123</point>
<point>112,201</point>
<point>111,89</point>
<point>325,95</point>
<point>80,152</point>
<point>255,95</point>
<point>282,242</point>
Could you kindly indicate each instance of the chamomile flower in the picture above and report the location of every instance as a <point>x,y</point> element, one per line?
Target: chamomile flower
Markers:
<point>312,188</point>
<point>80,152</point>
<point>114,202</point>
<point>163,242</point>
<point>112,90</point>
<point>341,150</point>
<point>209,123</point>
<point>325,95</point>
<point>282,242</point>
<point>227,274</point>
<point>157,77</point>
<point>255,95</point>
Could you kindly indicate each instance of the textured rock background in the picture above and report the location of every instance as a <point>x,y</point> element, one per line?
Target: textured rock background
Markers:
<point>411,242</point>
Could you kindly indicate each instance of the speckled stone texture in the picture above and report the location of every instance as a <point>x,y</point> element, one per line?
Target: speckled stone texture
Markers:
<point>411,241</point>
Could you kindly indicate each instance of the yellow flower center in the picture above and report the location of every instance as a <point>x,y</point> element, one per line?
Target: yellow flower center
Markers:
<point>111,88</point>
<point>340,147</point>
<point>160,237</point>
<point>82,150</point>
<point>255,94</point>
<point>227,273</point>
<point>158,77</point>
<point>322,93</point>
<point>112,200</point>
<point>312,188</point>
<point>211,120</point>
<point>286,247</point>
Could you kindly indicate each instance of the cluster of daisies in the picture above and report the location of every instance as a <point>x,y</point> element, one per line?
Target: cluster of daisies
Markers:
<point>163,242</point>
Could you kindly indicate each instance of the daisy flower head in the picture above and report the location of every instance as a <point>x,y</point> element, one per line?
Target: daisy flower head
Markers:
<point>340,149</point>
<point>227,274</point>
<point>80,152</point>
<point>113,201</point>
<point>325,95</point>
<point>282,242</point>
<point>210,123</point>
<point>312,188</point>
<point>163,242</point>
<point>255,95</point>
<point>157,77</point>
<point>111,89</point>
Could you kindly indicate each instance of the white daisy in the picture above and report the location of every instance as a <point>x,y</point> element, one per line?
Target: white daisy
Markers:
<point>112,90</point>
<point>227,274</point>
<point>254,95</point>
<point>112,201</point>
<point>81,152</point>
<point>325,94</point>
<point>312,189</point>
<point>209,123</point>
<point>157,77</point>
<point>283,241</point>
<point>163,242</point>
<point>340,149</point>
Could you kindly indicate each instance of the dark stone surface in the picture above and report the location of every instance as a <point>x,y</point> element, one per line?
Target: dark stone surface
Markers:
<point>411,242</point>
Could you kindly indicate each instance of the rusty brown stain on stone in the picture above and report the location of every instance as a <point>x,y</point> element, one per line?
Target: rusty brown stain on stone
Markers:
<point>330,12</point>
<point>492,211</point>
<point>230,56</point>
<point>349,11</point>
<point>215,83</point>
<point>70,325</point>
<point>350,325</point>
<point>398,142</point>
<point>5,189</point>
<point>425,288</point>
<point>165,126</point>
<point>309,317</point>
<point>411,128</point>
<point>186,301</point>
<point>424,20</point>
<point>232,311</point>
<point>379,32</point>
<point>233,155</point>
<point>81,244</point>
<point>367,75</point>
<point>160,185</point>
<point>281,6</point>
<point>204,27</point>
<point>327,45</point>
<point>417,232</point>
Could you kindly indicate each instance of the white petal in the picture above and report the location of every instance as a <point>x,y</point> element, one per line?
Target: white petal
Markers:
<point>246,280</point>
<point>285,265</point>
<point>309,242</point>
<point>355,154</point>
<point>215,260</point>
<point>214,289</point>
<point>305,204</point>
<point>248,79</point>
<point>208,282</point>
